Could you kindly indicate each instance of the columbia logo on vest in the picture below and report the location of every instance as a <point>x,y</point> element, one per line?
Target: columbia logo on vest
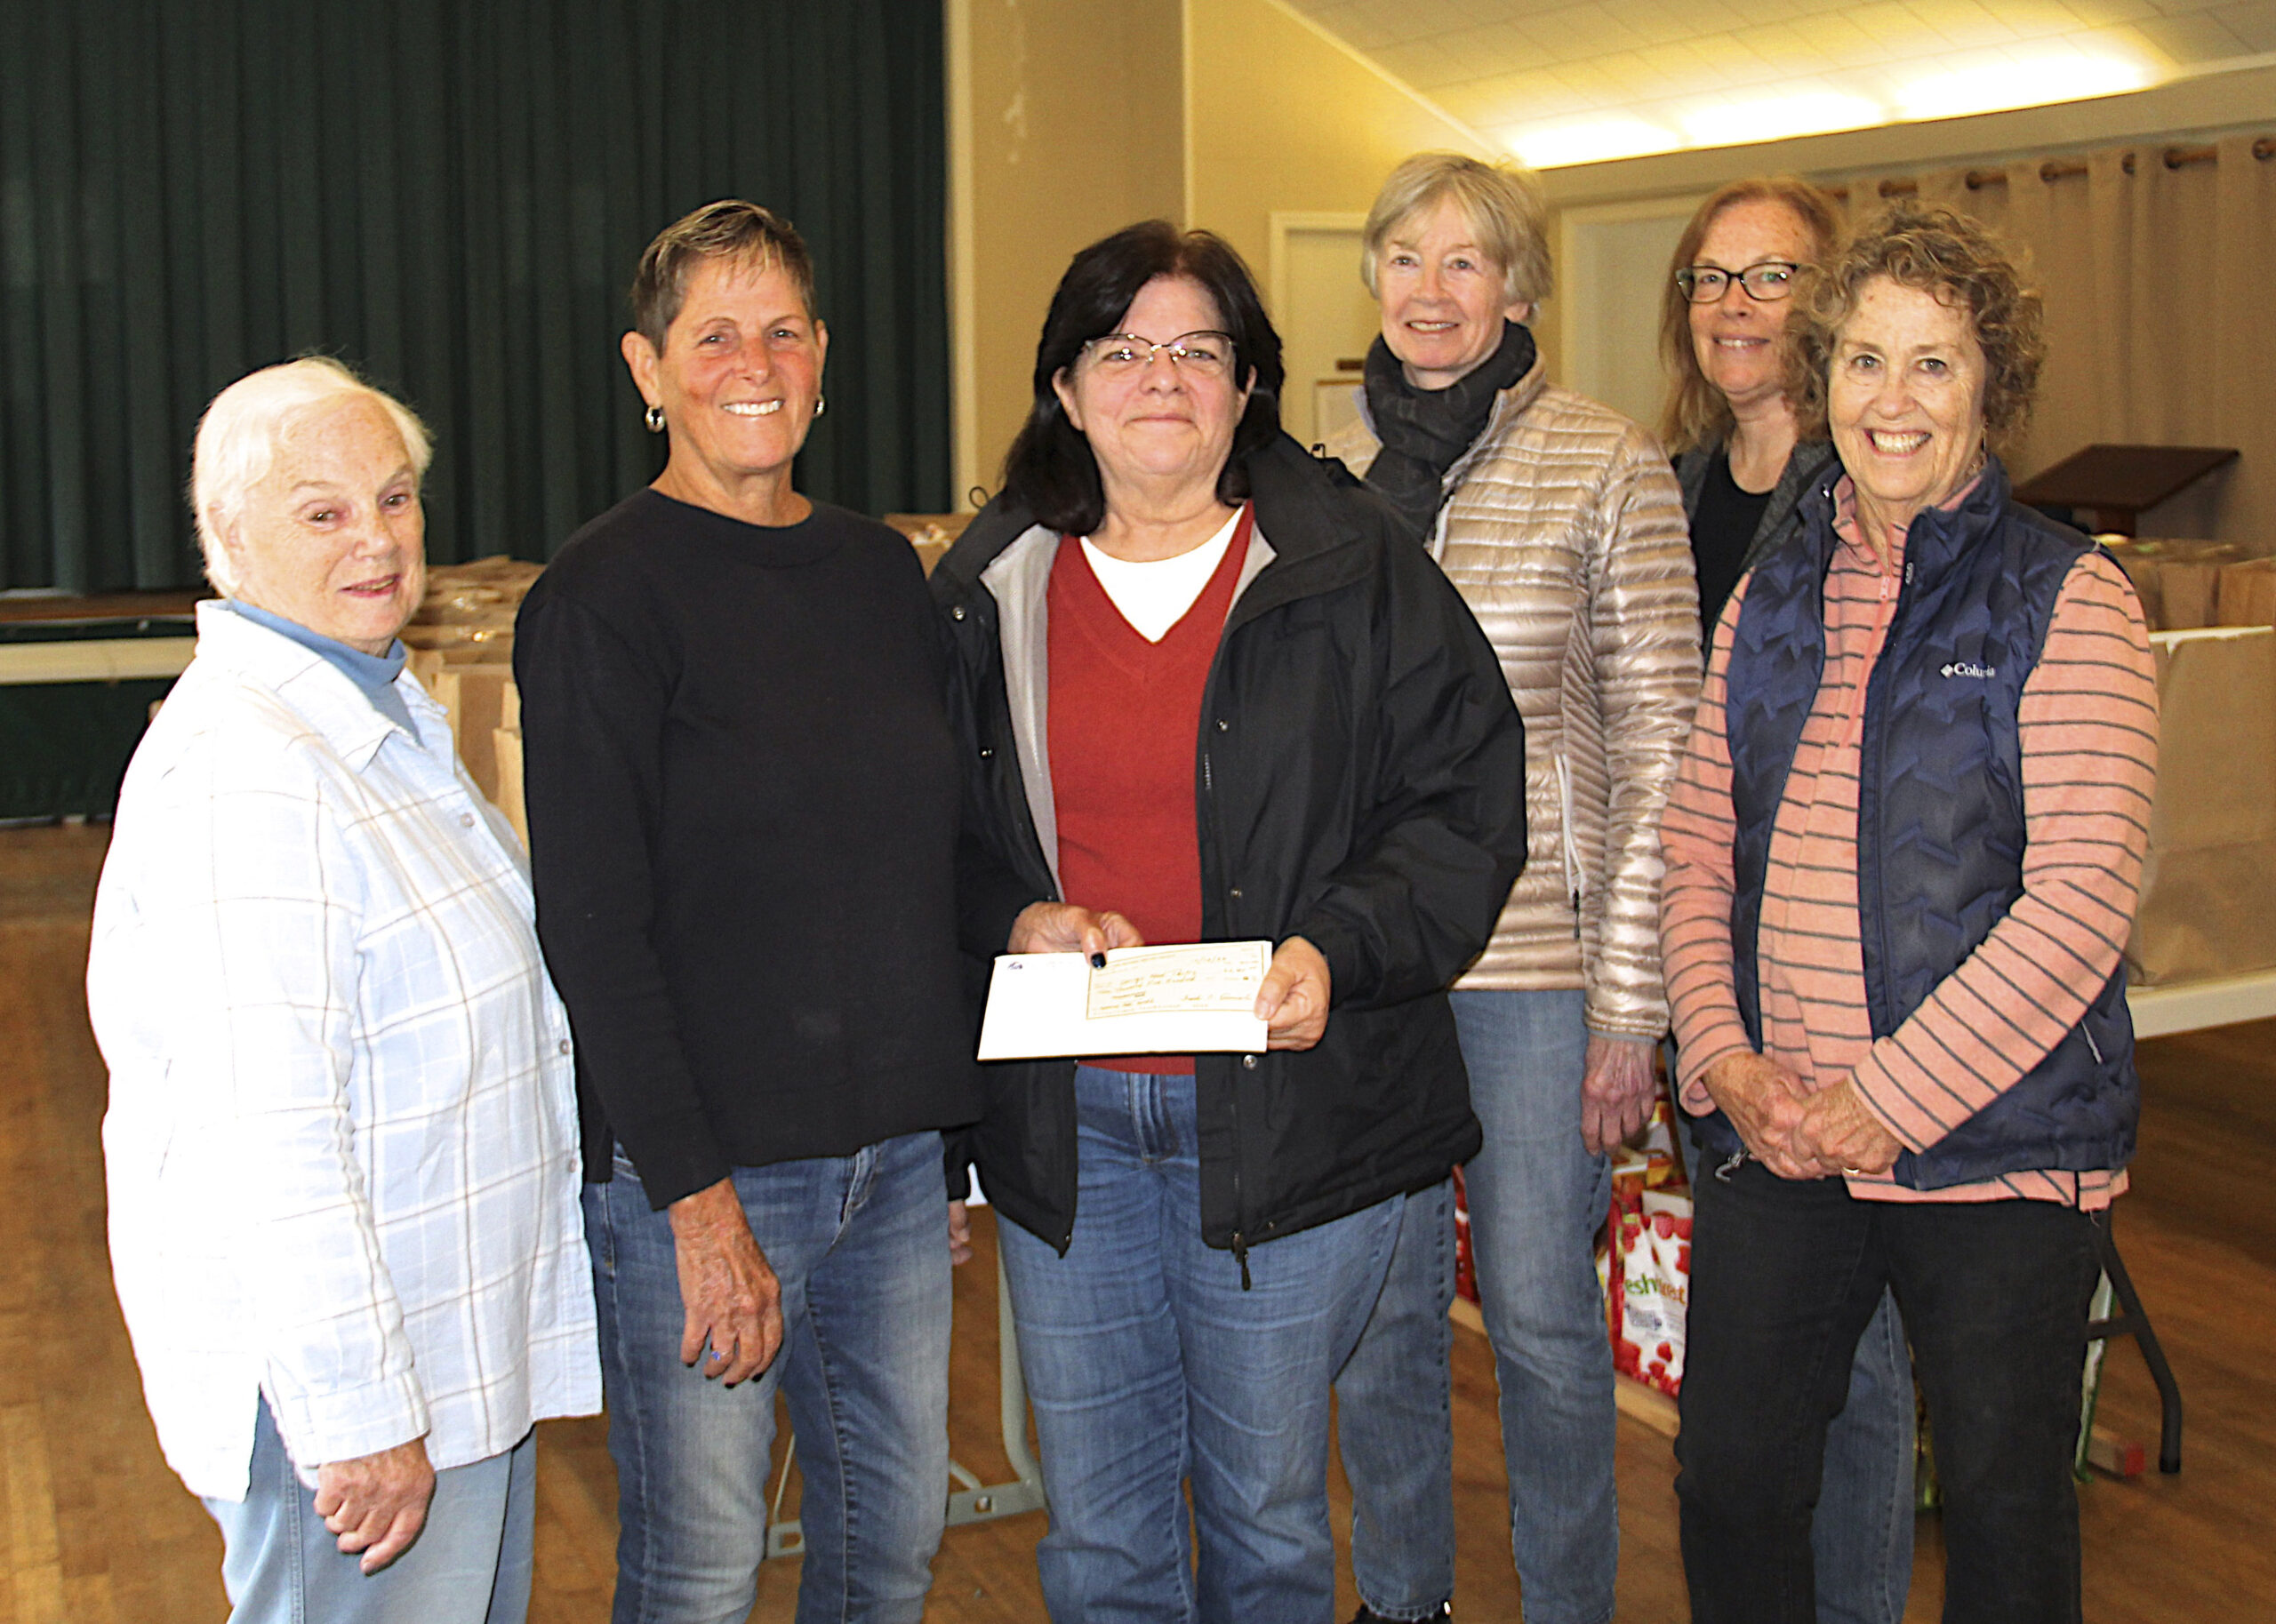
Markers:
<point>1968,668</point>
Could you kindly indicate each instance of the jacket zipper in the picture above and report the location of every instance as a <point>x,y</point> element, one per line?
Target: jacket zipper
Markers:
<point>1240,1240</point>
<point>1564,841</point>
<point>1880,899</point>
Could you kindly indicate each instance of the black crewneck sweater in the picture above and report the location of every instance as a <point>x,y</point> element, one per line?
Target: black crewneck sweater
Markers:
<point>743,795</point>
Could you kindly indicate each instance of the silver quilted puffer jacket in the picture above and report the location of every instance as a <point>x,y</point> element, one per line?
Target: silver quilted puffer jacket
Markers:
<point>1564,534</point>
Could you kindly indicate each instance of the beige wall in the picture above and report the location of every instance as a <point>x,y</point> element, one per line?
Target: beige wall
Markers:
<point>1281,117</point>
<point>1066,121</point>
<point>1069,118</point>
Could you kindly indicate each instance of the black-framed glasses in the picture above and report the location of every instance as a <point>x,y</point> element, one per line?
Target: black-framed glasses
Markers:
<point>1768,279</point>
<point>1205,355</point>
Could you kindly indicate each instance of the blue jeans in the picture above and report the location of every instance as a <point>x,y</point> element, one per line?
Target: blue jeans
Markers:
<point>1537,1200</point>
<point>860,1245</point>
<point>470,1564</point>
<point>1785,1276</point>
<point>1862,1537</point>
<point>1394,1422</point>
<point>1147,1364</point>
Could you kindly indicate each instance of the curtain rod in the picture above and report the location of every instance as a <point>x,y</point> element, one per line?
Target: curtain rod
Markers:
<point>2057,169</point>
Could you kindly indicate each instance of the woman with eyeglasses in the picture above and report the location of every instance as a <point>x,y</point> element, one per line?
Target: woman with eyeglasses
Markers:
<point>1211,690</point>
<point>1557,520</point>
<point>1744,465</point>
<point>1739,453</point>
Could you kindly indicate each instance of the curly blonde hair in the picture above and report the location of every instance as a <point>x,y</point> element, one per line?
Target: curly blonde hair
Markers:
<point>1960,262</point>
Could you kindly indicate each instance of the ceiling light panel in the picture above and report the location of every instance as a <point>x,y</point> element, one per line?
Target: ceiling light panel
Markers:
<point>1578,83</point>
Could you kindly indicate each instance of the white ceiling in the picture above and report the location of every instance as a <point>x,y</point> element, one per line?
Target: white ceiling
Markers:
<point>1557,82</point>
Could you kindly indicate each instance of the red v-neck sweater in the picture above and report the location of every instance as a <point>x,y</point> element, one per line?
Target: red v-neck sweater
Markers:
<point>1124,726</point>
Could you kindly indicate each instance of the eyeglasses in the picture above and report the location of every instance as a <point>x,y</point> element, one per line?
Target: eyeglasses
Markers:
<point>1204,354</point>
<point>1705,284</point>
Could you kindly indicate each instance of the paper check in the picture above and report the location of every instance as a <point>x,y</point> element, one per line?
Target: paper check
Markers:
<point>1194,999</point>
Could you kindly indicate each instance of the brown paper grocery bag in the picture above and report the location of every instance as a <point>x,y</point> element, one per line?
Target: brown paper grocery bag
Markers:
<point>2178,581</point>
<point>2246,594</point>
<point>2208,906</point>
<point>2141,571</point>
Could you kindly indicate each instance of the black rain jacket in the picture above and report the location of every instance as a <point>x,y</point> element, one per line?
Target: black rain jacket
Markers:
<point>1359,781</point>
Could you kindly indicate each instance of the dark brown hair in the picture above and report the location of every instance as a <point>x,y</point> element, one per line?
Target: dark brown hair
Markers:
<point>1050,470</point>
<point>727,229</point>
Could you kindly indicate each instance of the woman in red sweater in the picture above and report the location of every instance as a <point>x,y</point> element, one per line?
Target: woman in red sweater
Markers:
<point>1212,692</point>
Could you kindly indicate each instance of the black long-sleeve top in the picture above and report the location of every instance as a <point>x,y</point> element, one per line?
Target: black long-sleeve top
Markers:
<point>743,798</point>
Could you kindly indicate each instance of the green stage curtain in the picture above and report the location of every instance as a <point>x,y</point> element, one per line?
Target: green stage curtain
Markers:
<point>450,195</point>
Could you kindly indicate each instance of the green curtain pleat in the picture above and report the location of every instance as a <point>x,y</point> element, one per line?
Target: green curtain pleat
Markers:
<point>452,197</point>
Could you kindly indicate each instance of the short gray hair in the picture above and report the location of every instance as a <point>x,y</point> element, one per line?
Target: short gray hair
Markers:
<point>1507,209</point>
<point>741,233</point>
<point>236,440</point>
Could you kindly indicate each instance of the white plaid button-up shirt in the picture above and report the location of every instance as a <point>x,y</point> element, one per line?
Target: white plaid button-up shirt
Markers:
<point>343,1135</point>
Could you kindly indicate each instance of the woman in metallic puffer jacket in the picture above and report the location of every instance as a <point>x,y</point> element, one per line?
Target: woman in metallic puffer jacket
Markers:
<point>1561,525</point>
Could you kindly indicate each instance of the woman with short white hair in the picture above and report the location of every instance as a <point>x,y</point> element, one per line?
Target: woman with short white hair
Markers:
<point>341,1142</point>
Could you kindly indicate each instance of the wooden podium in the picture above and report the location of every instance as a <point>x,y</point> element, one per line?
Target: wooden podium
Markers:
<point>2119,482</point>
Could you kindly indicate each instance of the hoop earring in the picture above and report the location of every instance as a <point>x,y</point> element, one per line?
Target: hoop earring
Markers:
<point>655,419</point>
<point>821,405</point>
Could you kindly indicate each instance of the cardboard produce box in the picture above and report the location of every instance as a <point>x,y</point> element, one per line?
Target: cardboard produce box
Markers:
<point>2208,906</point>
<point>474,697</point>
<point>931,535</point>
<point>506,745</point>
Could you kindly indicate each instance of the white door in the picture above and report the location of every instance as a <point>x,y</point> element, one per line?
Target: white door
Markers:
<point>1326,316</point>
<point>1614,261</point>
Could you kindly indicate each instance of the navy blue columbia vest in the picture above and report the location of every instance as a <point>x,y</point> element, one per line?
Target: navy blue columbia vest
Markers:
<point>1940,805</point>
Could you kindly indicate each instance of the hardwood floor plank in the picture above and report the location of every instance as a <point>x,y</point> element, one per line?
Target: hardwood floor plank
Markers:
<point>88,1600</point>
<point>38,1593</point>
<point>32,1540</point>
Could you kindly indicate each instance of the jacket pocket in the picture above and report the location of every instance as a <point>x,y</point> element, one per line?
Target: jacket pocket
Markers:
<point>1568,849</point>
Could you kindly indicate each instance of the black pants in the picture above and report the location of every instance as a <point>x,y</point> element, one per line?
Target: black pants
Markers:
<point>1784,1277</point>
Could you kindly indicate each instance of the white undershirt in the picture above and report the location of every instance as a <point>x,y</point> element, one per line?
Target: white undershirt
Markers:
<point>1154,596</point>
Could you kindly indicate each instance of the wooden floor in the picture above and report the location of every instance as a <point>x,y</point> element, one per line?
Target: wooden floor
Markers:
<point>93,1528</point>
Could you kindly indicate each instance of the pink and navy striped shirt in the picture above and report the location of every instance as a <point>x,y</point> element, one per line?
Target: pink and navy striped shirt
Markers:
<point>2088,723</point>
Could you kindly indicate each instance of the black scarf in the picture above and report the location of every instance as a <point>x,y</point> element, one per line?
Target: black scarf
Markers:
<point>1424,432</point>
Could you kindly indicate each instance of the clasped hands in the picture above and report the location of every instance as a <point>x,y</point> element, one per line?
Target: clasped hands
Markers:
<point>1794,1133</point>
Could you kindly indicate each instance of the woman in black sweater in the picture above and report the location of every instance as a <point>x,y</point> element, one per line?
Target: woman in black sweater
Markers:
<point>744,796</point>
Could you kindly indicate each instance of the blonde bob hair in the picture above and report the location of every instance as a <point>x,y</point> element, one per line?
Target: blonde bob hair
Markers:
<point>1961,264</point>
<point>236,440</point>
<point>1696,414</point>
<point>1506,209</point>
